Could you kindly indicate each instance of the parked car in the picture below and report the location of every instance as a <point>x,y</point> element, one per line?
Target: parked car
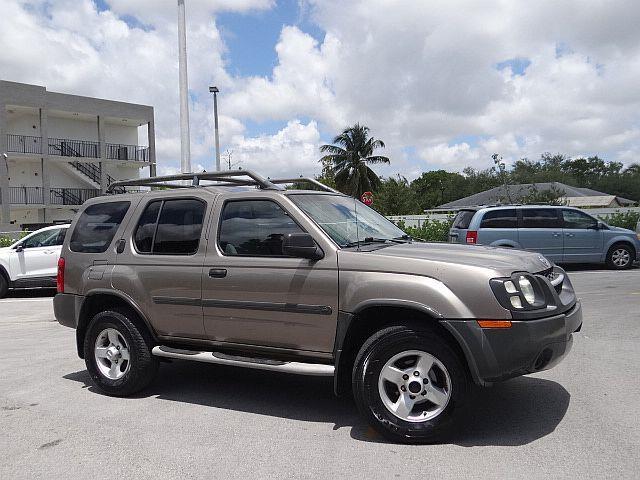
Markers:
<point>306,282</point>
<point>562,234</point>
<point>32,262</point>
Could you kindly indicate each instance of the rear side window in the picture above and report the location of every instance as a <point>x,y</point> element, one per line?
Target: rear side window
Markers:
<point>97,226</point>
<point>540,218</point>
<point>463,219</point>
<point>503,218</point>
<point>170,227</point>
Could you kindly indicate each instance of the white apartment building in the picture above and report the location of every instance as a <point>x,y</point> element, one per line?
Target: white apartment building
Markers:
<point>63,149</point>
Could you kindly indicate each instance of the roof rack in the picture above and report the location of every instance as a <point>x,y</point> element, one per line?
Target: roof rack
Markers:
<point>312,181</point>
<point>228,178</point>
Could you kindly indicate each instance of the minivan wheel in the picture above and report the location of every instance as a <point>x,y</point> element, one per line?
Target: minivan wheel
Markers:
<point>117,354</point>
<point>620,257</point>
<point>409,384</point>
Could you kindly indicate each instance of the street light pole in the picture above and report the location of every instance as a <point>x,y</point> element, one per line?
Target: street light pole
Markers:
<point>185,138</point>
<point>215,91</point>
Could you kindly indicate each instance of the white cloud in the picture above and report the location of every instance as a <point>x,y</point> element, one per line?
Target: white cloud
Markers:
<point>292,150</point>
<point>422,75</point>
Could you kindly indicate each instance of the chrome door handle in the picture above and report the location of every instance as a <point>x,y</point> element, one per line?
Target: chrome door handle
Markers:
<point>569,234</point>
<point>556,235</point>
<point>218,272</point>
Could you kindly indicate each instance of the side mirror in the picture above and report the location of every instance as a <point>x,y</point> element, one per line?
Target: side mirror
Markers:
<point>19,248</point>
<point>600,226</point>
<point>301,245</point>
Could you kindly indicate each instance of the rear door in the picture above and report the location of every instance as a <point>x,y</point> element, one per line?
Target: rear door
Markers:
<point>458,231</point>
<point>583,242</point>
<point>540,230</point>
<point>160,266</point>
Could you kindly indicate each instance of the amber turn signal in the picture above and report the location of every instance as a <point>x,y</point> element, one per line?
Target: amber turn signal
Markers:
<point>494,323</point>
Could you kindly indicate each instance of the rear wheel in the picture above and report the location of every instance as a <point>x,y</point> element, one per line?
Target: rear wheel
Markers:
<point>117,354</point>
<point>620,257</point>
<point>409,384</point>
<point>4,286</point>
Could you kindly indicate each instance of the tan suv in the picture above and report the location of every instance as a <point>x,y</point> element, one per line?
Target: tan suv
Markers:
<point>246,273</point>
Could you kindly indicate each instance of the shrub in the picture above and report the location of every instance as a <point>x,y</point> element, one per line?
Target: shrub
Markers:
<point>627,219</point>
<point>429,230</point>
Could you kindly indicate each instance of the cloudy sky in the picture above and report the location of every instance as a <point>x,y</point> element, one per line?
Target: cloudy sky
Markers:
<point>444,83</point>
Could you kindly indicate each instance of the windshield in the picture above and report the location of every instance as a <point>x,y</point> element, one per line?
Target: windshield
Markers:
<point>336,215</point>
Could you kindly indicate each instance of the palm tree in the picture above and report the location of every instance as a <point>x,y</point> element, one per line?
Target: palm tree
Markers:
<point>349,160</point>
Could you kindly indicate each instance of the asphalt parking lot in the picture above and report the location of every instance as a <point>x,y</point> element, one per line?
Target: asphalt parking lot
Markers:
<point>579,420</point>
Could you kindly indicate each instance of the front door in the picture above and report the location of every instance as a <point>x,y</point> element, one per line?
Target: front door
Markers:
<point>539,230</point>
<point>253,294</point>
<point>582,239</point>
<point>38,255</point>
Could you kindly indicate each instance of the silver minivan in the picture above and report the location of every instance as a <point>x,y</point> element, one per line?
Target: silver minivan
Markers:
<point>562,234</point>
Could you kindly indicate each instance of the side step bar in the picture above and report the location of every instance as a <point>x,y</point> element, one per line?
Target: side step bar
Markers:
<point>315,369</point>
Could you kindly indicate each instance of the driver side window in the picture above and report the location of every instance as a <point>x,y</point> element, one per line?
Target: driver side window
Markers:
<point>254,228</point>
<point>47,238</point>
<point>573,219</point>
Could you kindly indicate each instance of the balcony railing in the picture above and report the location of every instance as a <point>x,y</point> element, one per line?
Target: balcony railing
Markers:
<point>72,196</point>
<point>25,196</point>
<point>65,147</point>
<point>74,148</point>
<point>127,152</point>
<point>24,144</point>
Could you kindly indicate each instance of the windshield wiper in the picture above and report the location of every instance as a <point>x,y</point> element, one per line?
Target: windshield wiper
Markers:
<point>369,240</point>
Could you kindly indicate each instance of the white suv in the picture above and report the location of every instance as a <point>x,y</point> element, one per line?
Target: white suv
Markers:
<point>32,261</point>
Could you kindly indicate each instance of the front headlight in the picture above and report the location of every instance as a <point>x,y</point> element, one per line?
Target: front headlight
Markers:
<point>521,291</point>
<point>527,290</point>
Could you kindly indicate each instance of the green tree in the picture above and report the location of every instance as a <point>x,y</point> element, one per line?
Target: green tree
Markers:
<point>395,197</point>
<point>437,187</point>
<point>350,156</point>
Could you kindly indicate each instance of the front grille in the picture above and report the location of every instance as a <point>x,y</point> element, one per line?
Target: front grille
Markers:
<point>556,278</point>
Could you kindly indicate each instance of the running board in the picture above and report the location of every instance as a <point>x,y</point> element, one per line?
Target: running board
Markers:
<point>315,369</point>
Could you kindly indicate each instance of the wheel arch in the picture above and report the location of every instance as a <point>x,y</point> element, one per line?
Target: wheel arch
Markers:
<point>354,328</point>
<point>101,300</point>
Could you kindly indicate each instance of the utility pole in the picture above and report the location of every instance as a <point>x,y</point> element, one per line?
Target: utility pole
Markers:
<point>185,139</point>
<point>215,91</point>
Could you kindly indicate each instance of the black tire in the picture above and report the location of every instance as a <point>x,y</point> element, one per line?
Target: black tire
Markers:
<point>375,353</point>
<point>4,286</point>
<point>614,263</point>
<point>143,365</point>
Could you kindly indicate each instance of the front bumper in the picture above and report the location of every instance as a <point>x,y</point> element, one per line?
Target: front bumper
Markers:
<point>528,346</point>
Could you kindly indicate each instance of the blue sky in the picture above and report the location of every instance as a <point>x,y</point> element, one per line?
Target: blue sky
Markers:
<point>444,84</point>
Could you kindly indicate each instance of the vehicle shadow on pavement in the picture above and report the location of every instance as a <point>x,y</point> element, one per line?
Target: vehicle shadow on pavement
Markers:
<point>512,413</point>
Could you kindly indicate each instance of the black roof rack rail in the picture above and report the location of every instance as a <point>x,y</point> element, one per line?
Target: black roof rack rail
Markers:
<point>313,181</point>
<point>230,177</point>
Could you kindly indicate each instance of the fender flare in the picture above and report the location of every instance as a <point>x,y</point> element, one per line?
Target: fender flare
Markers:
<point>81,328</point>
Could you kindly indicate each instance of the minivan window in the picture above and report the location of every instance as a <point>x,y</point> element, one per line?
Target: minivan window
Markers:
<point>255,228</point>
<point>170,227</point>
<point>539,218</point>
<point>97,226</point>
<point>503,218</point>
<point>573,219</point>
<point>463,219</point>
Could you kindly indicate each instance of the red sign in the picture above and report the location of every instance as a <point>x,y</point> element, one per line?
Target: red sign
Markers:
<point>367,198</point>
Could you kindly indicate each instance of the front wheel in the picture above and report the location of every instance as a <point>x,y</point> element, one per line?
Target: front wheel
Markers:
<point>620,257</point>
<point>409,384</point>
<point>118,355</point>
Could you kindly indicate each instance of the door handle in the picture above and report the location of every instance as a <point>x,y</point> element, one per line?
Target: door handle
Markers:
<point>556,235</point>
<point>218,272</point>
<point>569,234</point>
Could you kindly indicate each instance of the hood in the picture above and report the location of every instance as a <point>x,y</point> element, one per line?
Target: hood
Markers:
<point>621,230</point>
<point>505,260</point>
